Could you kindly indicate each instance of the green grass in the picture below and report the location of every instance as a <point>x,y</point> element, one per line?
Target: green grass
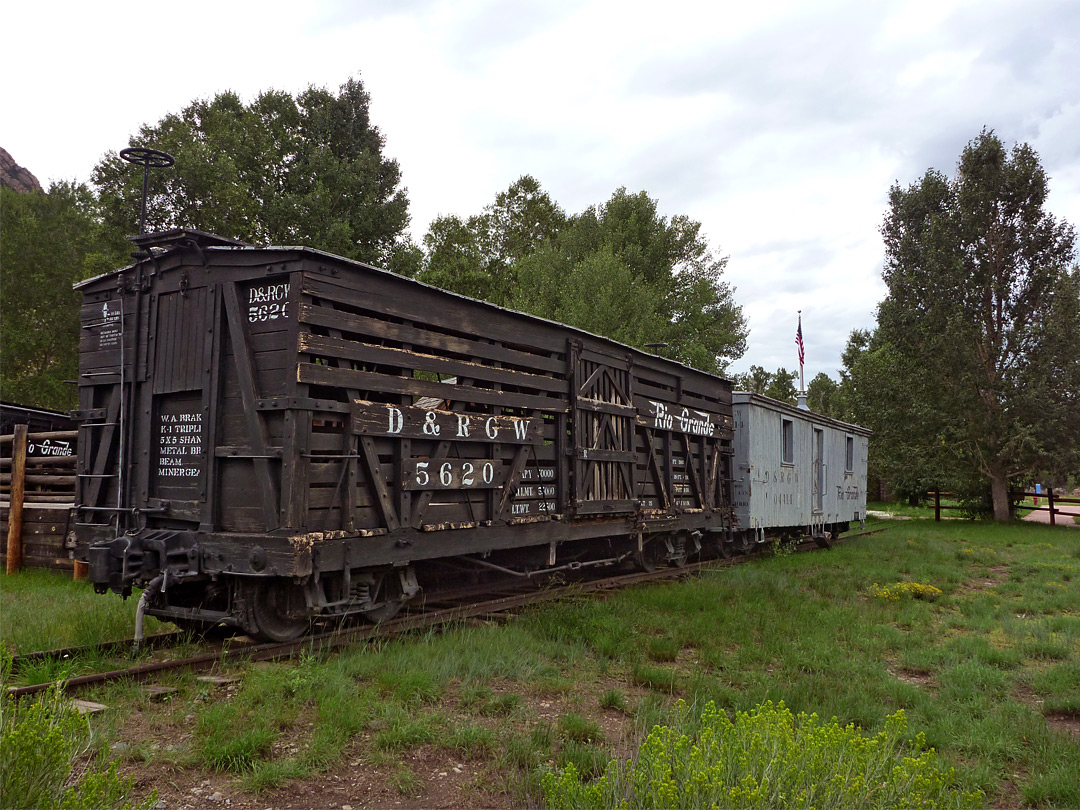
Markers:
<point>47,610</point>
<point>987,670</point>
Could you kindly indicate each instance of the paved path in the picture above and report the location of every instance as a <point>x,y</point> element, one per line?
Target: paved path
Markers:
<point>1043,515</point>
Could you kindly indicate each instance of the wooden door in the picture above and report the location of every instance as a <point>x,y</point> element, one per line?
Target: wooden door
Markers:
<point>603,414</point>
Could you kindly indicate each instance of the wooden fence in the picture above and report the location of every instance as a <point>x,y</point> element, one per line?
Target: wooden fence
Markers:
<point>1052,502</point>
<point>37,496</point>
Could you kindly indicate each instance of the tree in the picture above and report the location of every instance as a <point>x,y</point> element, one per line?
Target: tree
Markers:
<point>822,396</point>
<point>307,170</point>
<point>983,316</point>
<point>882,390</point>
<point>478,256</point>
<point>50,241</point>
<point>619,269</point>
<point>779,385</point>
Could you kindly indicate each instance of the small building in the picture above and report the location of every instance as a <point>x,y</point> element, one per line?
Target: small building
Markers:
<point>795,470</point>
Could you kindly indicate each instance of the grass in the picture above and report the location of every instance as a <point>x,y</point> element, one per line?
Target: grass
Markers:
<point>47,610</point>
<point>972,629</point>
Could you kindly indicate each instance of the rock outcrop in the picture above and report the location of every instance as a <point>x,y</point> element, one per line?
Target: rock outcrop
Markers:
<point>12,175</point>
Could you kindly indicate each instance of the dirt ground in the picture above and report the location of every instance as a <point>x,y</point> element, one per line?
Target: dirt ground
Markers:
<point>439,778</point>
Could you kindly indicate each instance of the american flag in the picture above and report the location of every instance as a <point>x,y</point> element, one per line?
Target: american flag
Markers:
<point>799,343</point>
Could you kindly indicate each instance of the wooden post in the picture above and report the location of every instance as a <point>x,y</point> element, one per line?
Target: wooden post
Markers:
<point>1050,503</point>
<point>937,505</point>
<point>18,493</point>
<point>80,571</point>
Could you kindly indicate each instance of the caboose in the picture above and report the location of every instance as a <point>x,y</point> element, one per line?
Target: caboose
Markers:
<point>796,473</point>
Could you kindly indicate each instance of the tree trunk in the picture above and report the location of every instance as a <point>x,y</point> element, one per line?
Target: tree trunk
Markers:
<point>999,490</point>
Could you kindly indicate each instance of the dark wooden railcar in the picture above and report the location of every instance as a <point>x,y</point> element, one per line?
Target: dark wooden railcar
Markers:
<point>271,434</point>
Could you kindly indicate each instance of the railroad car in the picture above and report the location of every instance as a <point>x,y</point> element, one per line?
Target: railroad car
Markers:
<point>796,473</point>
<point>273,435</point>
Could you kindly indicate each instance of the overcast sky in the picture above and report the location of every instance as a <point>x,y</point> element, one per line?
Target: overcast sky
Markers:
<point>780,126</point>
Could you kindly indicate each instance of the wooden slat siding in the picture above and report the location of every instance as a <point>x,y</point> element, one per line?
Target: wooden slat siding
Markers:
<point>180,336</point>
<point>660,491</point>
<point>44,563</point>
<point>424,336</point>
<point>256,430</point>
<point>693,468</point>
<point>387,384</point>
<point>102,361</point>
<point>641,402</point>
<point>405,359</point>
<point>401,298</point>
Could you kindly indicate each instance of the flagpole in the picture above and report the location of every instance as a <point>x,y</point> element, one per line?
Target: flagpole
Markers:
<point>802,378</point>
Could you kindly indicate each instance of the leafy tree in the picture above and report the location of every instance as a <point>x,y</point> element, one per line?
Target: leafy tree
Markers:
<point>779,385</point>
<point>50,241</point>
<point>478,256</point>
<point>881,390</point>
<point>822,396</point>
<point>620,270</point>
<point>281,170</point>
<point>982,319</point>
<point>782,386</point>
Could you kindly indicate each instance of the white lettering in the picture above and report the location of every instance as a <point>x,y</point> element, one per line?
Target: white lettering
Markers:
<point>431,427</point>
<point>397,420</point>
<point>491,428</point>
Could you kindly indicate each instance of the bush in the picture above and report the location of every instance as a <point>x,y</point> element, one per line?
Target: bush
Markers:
<point>767,758</point>
<point>39,740</point>
<point>905,590</point>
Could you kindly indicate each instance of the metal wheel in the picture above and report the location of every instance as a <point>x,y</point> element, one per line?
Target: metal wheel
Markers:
<point>277,610</point>
<point>649,557</point>
<point>677,554</point>
<point>387,596</point>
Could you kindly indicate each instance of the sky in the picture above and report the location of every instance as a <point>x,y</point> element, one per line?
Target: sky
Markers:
<point>778,125</point>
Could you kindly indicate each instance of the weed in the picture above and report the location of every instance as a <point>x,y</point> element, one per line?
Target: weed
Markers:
<point>614,699</point>
<point>573,726</point>
<point>663,649</point>
<point>474,696</point>
<point>39,740</point>
<point>474,742</point>
<point>658,678</point>
<point>905,590</point>
<point>406,782</point>
<point>767,758</point>
<point>502,705</point>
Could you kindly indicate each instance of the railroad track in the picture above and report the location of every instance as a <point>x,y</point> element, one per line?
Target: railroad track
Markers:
<point>242,648</point>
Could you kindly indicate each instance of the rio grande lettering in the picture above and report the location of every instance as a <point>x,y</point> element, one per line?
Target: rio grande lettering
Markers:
<point>696,423</point>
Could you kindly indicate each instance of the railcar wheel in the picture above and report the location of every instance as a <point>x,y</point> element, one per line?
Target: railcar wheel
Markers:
<point>677,555</point>
<point>649,557</point>
<point>388,594</point>
<point>277,611</point>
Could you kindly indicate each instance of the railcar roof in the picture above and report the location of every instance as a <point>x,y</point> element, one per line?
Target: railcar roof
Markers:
<point>750,398</point>
<point>187,239</point>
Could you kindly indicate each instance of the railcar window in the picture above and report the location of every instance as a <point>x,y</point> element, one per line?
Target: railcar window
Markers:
<point>787,437</point>
<point>849,464</point>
